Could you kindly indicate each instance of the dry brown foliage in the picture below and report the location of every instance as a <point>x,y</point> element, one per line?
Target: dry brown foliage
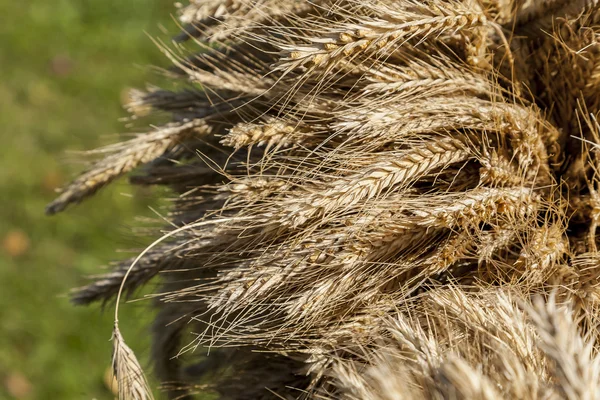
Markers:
<point>374,199</point>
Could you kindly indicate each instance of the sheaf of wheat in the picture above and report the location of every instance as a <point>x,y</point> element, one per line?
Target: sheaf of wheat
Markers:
<point>373,199</point>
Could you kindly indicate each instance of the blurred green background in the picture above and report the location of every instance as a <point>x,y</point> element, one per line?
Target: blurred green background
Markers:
<point>64,65</point>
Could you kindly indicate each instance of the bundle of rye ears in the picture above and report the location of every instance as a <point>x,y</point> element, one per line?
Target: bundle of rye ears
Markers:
<point>372,199</point>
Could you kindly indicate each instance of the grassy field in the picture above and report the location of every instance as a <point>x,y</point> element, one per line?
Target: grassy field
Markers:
<point>64,65</point>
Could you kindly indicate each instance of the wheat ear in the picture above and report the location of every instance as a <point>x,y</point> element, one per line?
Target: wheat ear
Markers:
<point>125,157</point>
<point>370,35</point>
<point>381,176</point>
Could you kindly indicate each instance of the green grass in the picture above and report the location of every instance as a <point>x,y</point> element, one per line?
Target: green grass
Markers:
<point>63,67</point>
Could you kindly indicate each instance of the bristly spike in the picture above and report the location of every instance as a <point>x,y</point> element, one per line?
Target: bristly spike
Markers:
<point>131,381</point>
